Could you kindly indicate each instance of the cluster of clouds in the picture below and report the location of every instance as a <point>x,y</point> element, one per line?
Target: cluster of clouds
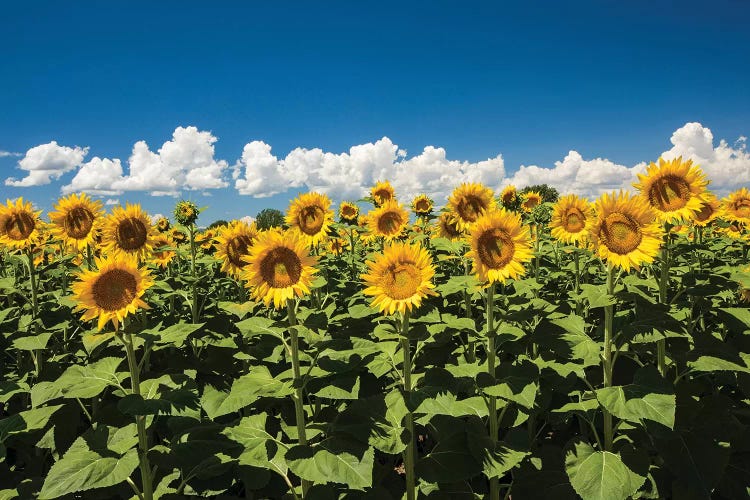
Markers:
<point>188,162</point>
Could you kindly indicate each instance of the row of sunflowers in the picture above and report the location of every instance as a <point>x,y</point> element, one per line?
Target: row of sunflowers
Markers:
<point>453,300</point>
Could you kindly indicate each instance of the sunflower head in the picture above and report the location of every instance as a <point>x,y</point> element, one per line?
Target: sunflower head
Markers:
<point>186,212</point>
<point>75,219</point>
<point>206,240</point>
<point>626,232</point>
<point>337,245</point>
<point>422,205</point>
<point>348,212</point>
<point>178,236</point>
<point>447,227</point>
<point>399,278</point>
<point>509,196</point>
<point>21,226</point>
<point>388,220</point>
<point>163,225</point>
<point>162,256</point>
<point>530,200</point>
<point>468,202</point>
<point>674,189</point>
<point>233,246</point>
<point>128,231</point>
<point>113,291</point>
<point>572,219</point>
<point>310,215</point>
<point>736,206</point>
<point>279,267</point>
<point>500,245</point>
<point>709,211</point>
<point>382,192</point>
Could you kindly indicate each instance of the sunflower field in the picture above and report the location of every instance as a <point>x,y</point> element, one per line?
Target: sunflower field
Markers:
<point>504,346</point>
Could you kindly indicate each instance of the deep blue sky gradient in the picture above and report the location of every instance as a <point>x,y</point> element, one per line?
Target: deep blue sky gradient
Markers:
<point>530,80</point>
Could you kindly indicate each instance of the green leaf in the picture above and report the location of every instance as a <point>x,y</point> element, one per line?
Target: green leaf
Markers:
<point>29,420</point>
<point>260,449</point>
<point>258,325</point>
<point>597,296</point>
<point>176,334</point>
<point>333,460</point>
<point>90,380</point>
<point>81,469</point>
<point>649,397</point>
<point>567,337</point>
<point>245,391</point>
<point>600,475</point>
<point>515,382</point>
<point>714,364</point>
<point>447,404</point>
<point>32,343</point>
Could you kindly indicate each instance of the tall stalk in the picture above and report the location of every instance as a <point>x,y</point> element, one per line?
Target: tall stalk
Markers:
<point>471,350</point>
<point>661,344</point>
<point>492,400</point>
<point>32,282</point>
<point>607,362</point>
<point>140,420</point>
<point>410,452</point>
<point>299,409</point>
<point>194,286</point>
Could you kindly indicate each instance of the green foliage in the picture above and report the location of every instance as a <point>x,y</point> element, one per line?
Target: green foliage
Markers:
<point>218,223</point>
<point>549,193</point>
<point>268,218</point>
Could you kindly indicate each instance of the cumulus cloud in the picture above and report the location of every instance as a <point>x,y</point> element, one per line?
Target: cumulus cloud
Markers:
<point>348,175</point>
<point>248,219</point>
<point>112,201</point>
<point>185,162</point>
<point>46,162</point>
<point>727,167</point>
<point>3,154</point>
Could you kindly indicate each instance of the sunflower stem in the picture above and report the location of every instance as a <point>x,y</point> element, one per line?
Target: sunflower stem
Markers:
<point>471,350</point>
<point>140,420</point>
<point>32,281</point>
<point>410,452</point>
<point>492,401</point>
<point>607,362</point>
<point>577,260</point>
<point>299,408</point>
<point>194,286</point>
<point>661,344</point>
<point>89,258</point>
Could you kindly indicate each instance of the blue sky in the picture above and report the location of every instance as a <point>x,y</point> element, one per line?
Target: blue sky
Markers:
<point>607,79</point>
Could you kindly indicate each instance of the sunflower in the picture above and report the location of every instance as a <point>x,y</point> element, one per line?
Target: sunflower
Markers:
<point>736,206</point>
<point>447,227</point>
<point>468,202</point>
<point>626,232</point>
<point>572,219</point>
<point>735,230</point>
<point>178,236</point>
<point>21,224</point>
<point>75,220</point>
<point>162,257</point>
<point>279,267</point>
<point>310,215</point>
<point>162,225</point>
<point>128,231</point>
<point>710,210</point>
<point>674,189</point>
<point>388,220</point>
<point>186,212</point>
<point>113,291</point>
<point>382,192</point>
<point>233,245</point>
<point>500,245</point>
<point>206,240</point>
<point>422,205</point>
<point>337,245</point>
<point>530,200</point>
<point>400,278</point>
<point>348,212</point>
<point>508,196</point>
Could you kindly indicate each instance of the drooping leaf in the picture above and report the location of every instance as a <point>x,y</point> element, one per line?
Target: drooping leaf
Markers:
<point>600,475</point>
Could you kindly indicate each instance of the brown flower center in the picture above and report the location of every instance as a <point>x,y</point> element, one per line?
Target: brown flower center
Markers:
<point>620,233</point>
<point>382,195</point>
<point>422,206</point>
<point>114,289</point>
<point>742,207</point>
<point>348,212</point>
<point>574,220</point>
<point>669,193</point>
<point>311,219</point>
<point>19,226</point>
<point>495,248</point>
<point>470,208</point>
<point>390,223</point>
<point>237,249</point>
<point>131,234</point>
<point>78,222</point>
<point>401,280</point>
<point>704,213</point>
<point>281,267</point>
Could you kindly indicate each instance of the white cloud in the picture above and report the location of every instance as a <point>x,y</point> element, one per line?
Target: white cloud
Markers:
<point>97,176</point>
<point>349,175</point>
<point>155,218</point>
<point>45,162</point>
<point>248,219</point>
<point>112,201</point>
<point>3,154</point>
<point>185,162</point>
<point>727,167</point>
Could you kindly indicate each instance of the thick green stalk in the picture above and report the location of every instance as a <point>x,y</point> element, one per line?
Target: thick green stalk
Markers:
<point>299,408</point>
<point>491,400</point>
<point>661,344</point>
<point>471,349</point>
<point>194,287</point>
<point>577,260</point>
<point>32,281</point>
<point>410,453</point>
<point>140,420</point>
<point>607,363</point>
